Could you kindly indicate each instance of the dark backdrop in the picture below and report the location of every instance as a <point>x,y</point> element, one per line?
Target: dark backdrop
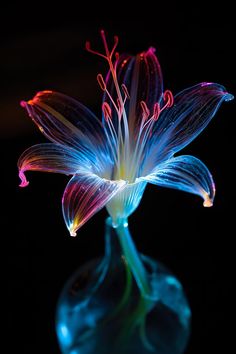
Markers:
<point>44,49</point>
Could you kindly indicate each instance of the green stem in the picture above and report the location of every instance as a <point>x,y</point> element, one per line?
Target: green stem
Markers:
<point>138,318</point>
<point>125,297</point>
<point>132,257</point>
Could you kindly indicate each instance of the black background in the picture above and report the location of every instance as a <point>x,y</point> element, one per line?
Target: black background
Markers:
<point>43,48</point>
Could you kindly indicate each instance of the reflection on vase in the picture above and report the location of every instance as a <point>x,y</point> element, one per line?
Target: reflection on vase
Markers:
<point>124,303</point>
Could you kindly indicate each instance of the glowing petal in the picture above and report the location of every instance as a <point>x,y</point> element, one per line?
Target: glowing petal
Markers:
<point>186,173</point>
<point>124,203</point>
<point>51,158</point>
<point>66,121</point>
<point>142,78</point>
<point>193,109</point>
<point>86,194</point>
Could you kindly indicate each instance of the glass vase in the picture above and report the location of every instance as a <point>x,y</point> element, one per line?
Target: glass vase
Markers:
<point>123,303</point>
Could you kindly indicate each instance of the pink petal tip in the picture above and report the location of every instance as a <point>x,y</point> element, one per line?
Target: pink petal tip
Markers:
<point>208,203</point>
<point>24,182</point>
<point>23,104</point>
<point>73,233</point>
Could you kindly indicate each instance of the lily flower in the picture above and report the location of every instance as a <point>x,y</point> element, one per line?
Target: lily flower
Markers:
<point>142,128</point>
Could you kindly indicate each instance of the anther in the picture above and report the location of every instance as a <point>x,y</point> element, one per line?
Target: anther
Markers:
<point>101,82</point>
<point>156,111</point>
<point>168,98</point>
<point>88,48</point>
<point>106,111</point>
<point>125,90</point>
<point>145,110</point>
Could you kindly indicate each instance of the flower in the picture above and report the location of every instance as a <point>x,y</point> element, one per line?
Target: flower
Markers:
<point>142,128</point>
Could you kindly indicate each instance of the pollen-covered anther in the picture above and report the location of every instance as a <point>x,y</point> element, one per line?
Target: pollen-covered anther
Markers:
<point>101,82</point>
<point>106,111</point>
<point>125,90</point>
<point>146,111</point>
<point>168,98</point>
<point>156,111</point>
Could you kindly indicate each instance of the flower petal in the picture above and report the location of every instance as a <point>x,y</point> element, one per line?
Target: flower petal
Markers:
<point>86,194</point>
<point>186,173</point>
<point>193,109</point>
<point>124,203</point>
<point>66,121</point>
<point>51,158</point>
<point>143,79</point>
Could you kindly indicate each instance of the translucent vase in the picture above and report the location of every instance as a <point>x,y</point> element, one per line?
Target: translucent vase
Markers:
<point>123,303</point>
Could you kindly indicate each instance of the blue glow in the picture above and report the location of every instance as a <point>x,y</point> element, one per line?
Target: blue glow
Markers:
<point>111,160</point>
<point>64,334</point>
<point>101,303</point>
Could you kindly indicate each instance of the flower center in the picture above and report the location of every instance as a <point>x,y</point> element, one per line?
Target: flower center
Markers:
<point>127,144</point>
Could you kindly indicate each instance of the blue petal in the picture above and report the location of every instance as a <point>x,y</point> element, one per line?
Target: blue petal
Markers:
<point>193,109</point>
<point>86,194</point>
<point>52,158</point>
<point>186,173</point>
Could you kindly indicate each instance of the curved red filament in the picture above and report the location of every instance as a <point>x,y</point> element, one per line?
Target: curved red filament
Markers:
<point>146,111</point>
<point>106,111</point>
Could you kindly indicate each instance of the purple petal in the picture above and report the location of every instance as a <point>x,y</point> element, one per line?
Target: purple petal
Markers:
<point>51,158</point>
<point>86,194</point>
<point>66,121</point>
<point>193,109</point>
<point>186,173</point>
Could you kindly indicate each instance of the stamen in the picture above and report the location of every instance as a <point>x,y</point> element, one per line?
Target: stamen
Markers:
<point>125,90</point>
<point>88,48</point>
<point>116,40</point>
<point>105,43</point>
<point>108,53</point>
<point>156,111</point>
<point>168,98</point>
<point>168,102</point>
<point>120,108</point>
<point>117,55</point>
<point>106,111</point>
<point>145,110</point>
<point>101,82</point>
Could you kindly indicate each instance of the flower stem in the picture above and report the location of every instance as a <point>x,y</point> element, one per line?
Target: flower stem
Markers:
<point>138,317</point>
<point>132,258</point>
